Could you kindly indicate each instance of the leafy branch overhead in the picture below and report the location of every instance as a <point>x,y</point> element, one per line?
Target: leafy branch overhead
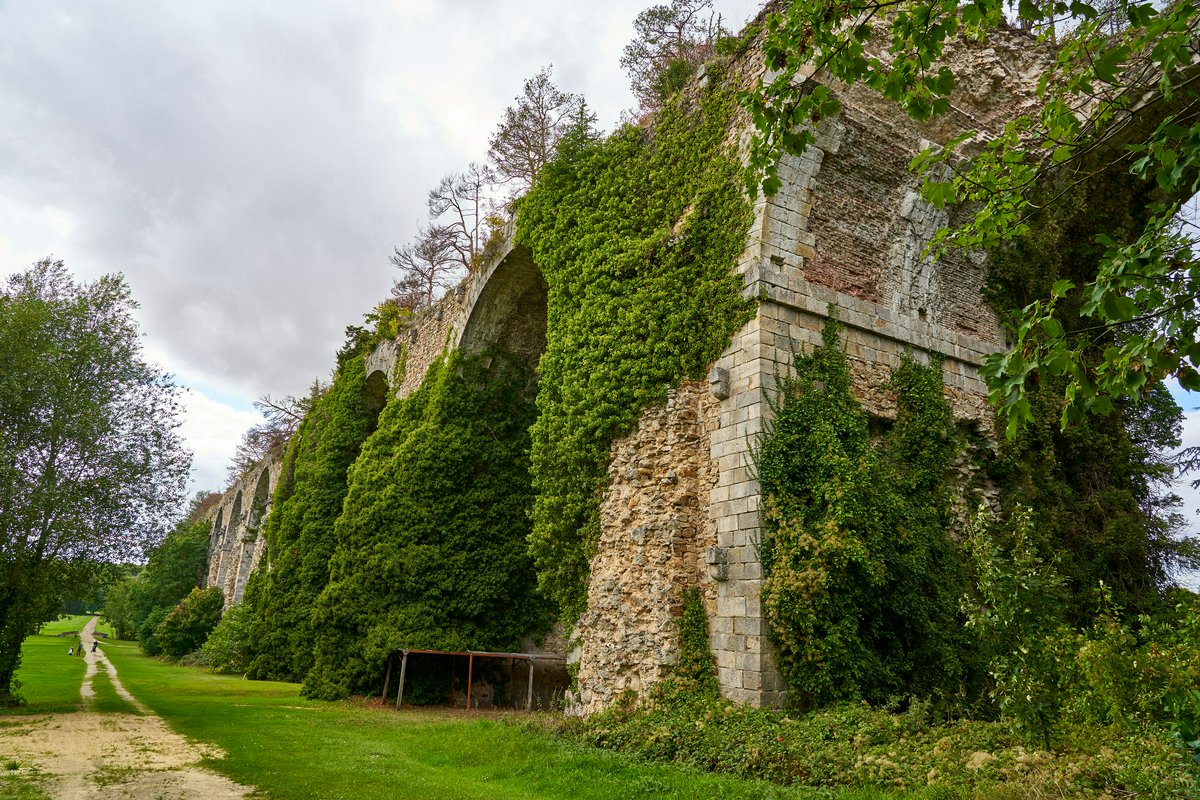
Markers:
<point>1118,112</point>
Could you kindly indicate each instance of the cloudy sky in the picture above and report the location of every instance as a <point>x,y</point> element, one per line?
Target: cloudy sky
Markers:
<point>250,165</point>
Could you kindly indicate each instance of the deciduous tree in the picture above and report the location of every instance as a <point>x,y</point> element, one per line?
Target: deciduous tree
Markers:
<point>671,42</point>
<point>530,131</point>
<point>91,466</point>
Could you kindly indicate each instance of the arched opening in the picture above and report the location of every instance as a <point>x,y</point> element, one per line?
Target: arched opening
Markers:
<point>258,512</point>
<point>214,549</point>
<point>228,550</point>
<point>375,392</point>
<point>510,310</point>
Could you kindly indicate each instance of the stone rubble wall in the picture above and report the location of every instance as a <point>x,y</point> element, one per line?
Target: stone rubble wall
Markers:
<point>655,535</point>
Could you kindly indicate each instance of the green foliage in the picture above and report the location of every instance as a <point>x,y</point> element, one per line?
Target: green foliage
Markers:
<point>862,581</point>
<point>91,465</point>
<point>188,624</point>
<point>854,746</point>
<point>430,548</point>
<point>617,227</point>
<point>299,531</point>
<point>1018,614</point>
<point>1098,487</point>
<point>696,663</point>
<point>227,648</point>
<point>137,605</point>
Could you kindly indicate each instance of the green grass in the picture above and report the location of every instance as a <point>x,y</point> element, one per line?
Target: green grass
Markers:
<point>107,701</point>
<point>50,678</point>
<point>22,786</point>
<point>292,748</point>
<point>63,625</point>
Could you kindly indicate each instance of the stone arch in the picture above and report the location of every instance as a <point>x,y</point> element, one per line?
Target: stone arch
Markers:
<point>214,549</point>
<point>509,307</point>
<point>227,541</point>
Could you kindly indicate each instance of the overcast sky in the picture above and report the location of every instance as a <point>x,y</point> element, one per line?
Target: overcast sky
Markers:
<point>250,165</point>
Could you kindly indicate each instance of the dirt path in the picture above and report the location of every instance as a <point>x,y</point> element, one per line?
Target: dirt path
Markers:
<point>113,756</point>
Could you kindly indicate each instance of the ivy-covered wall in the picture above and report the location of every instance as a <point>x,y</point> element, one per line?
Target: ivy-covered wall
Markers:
<point>637,236</point>
<point>430,549</point>
<point>308,500</point>
<point>863,578</point>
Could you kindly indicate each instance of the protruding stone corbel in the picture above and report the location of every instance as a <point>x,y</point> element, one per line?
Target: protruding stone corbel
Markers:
<point>718,382</point>
<point>717,559</point>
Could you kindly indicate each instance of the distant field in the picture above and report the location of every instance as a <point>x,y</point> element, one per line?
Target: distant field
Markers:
<point>65,624</point>
<point>50,678</point>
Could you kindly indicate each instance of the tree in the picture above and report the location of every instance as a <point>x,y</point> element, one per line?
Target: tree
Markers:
<point>91,466</point>
<point>1119,121</point>
<point>281,417</point>
<point>462,197</point>
<point>190,622</point>
<point>671,42</point>
<point>530,131</point>
<point>428,265</point>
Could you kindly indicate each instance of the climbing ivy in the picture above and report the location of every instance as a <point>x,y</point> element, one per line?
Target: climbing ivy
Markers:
<point>308,499</point>
<point>430,548</point>
<point>862,579</point>
<point>637,236</point>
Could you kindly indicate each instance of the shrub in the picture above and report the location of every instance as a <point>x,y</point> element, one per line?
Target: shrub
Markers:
<point>189,623</point>
<point>227,648</point>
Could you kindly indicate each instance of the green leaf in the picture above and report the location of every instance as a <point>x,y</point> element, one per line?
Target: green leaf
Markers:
<point>1061,287</point>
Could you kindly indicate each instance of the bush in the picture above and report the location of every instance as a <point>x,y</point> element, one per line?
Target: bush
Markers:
<point>227,649</point>
<point>190,622</point>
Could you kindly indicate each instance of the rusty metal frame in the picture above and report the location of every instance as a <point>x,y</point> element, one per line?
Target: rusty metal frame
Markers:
<point>532,658</point>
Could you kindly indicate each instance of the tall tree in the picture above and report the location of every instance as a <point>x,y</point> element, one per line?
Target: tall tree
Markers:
<point>91,466</point>
<point>530,131</point>
<point>671,42</point>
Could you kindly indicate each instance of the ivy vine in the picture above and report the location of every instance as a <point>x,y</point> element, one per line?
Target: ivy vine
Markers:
<point>637,236</point>
<point>862,578</point>
<point>430,547</point>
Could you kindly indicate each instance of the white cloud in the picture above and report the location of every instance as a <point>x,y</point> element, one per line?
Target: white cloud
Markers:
<point>212,430</point>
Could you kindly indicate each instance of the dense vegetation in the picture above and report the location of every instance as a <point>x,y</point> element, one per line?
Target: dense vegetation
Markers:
<point>430,547</point>
<point>137,606</point>
<point>637,236</point>
<point>308,499</point>
<point>862,578</point>
<point>91,466</point>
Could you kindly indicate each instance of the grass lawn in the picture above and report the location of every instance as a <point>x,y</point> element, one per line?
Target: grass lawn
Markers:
<point>64,625</point>
<point>293,748</point>
<point>50,679</point>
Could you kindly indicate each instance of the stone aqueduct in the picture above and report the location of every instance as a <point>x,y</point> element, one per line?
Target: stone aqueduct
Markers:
<point>682,510</point>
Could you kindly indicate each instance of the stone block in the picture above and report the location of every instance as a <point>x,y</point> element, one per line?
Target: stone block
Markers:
<point>734,606</point>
